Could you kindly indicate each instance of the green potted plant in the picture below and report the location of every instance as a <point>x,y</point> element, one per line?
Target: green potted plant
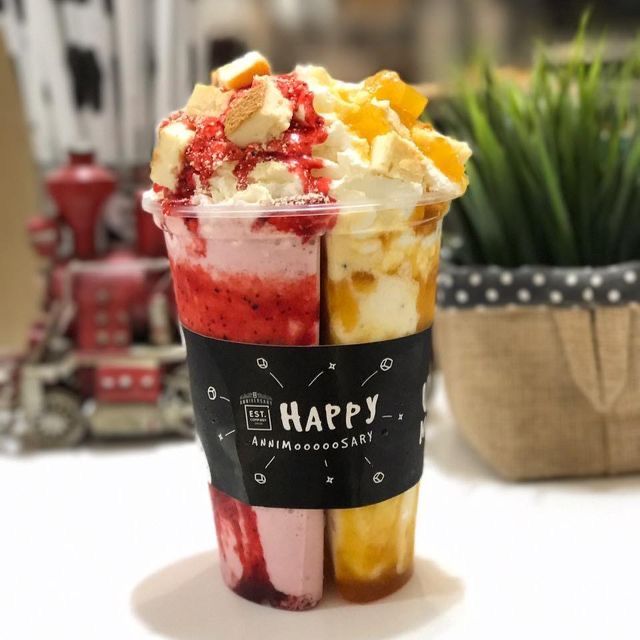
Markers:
<point>538,331</point>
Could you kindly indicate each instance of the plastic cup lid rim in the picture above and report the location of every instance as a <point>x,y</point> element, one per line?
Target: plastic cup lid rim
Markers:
<point>152,205</point>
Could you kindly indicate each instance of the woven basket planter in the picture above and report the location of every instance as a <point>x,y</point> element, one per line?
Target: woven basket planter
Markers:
<point>542,366</point>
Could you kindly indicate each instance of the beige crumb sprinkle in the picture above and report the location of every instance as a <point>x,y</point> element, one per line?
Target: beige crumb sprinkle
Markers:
<point>259,115</point>
<point>244,107</point>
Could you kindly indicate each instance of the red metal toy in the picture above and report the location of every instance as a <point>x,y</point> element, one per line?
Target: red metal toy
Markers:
<point>105,357</point>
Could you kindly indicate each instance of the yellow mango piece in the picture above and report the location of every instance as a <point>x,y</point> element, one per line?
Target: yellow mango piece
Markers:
<point>440,151</point>
<point>366,120</point>
<point>406,101</point>
<point>343,305</point>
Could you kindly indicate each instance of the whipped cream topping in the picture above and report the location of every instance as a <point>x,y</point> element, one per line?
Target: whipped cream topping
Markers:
<point>304,137</point>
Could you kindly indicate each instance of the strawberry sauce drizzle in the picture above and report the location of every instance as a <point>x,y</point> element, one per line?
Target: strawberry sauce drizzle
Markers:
<point>210,148</point>
<point>240,520</point>
<point>247,307</point>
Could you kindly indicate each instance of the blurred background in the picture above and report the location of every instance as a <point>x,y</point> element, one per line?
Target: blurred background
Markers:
<point>97,74</point>
<point>88,334</point>
<point>92,77</point>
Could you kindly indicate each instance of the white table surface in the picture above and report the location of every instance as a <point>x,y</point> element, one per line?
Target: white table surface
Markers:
<point>117,542</point>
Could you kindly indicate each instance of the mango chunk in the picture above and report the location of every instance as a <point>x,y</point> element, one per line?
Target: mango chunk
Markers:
<point>366,120</point>
<point>406,101</point>
<point>440,151</point>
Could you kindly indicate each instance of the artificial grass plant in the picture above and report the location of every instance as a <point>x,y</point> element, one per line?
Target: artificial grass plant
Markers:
<point>555,176</point>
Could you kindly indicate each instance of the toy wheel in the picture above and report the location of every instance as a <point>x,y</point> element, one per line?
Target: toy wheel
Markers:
<point>177,411</point>
<point>61,423</point>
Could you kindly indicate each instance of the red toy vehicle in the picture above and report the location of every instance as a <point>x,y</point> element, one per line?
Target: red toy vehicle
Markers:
<point>106,357</point>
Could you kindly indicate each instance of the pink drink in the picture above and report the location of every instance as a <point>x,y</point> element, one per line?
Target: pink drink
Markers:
<point>260,286</point>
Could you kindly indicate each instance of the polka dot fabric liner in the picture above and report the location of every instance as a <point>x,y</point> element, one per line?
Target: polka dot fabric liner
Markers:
<point>478,287</point>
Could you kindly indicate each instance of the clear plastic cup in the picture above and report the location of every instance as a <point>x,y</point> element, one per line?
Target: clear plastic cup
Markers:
<point>303,276</point>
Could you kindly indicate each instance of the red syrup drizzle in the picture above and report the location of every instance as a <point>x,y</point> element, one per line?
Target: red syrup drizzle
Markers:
<point>210,148</point>
<point>247,307</point>
<point>254,584</point>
